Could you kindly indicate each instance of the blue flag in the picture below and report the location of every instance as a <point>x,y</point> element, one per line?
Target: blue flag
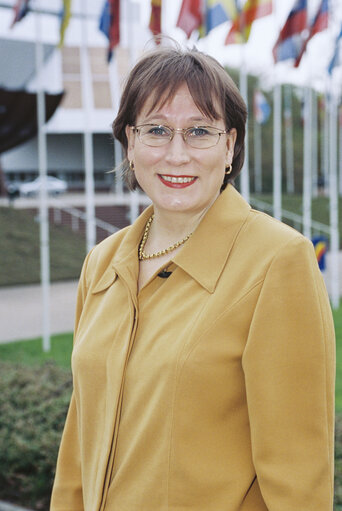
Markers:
<point>336,57</point>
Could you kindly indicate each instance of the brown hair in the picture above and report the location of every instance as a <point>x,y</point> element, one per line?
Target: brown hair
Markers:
<point>159,74</point>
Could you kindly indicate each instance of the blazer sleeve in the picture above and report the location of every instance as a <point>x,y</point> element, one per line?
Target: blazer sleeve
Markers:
<point>289,366</point>
<point>67,492</point>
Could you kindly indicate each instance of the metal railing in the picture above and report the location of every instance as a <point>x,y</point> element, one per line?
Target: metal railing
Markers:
<point>76,215</point>
<point>288,216</point>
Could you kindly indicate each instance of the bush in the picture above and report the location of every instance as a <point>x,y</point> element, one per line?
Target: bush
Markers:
<point>33,406</point>
<point>338,464</point>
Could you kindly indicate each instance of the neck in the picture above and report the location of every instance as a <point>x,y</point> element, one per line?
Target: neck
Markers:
<point>169,227</point>
<point>176,223</point>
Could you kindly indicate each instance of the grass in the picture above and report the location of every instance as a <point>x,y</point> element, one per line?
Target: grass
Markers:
<point>20,254</point>
<point>293,203</point>
<point>31,353</point>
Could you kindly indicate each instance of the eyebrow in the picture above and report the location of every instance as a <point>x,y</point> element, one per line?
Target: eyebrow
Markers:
<point>157,117</point>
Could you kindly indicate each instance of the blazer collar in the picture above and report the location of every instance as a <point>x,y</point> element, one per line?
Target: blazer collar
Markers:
<point>204,255</point>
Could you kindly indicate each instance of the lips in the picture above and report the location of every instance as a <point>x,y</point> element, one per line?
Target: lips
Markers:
<point>177,181</point>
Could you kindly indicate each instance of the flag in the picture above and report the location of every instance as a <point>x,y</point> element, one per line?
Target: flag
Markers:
<point>336,56</point>
<point>191,16</point>
<point>289,42</point>
<point>65,19</point>
<point>20,9</point>
<point>242,24</point>
<point>261,107</point>
<point>219,12</point>
<point>320,22</point>
<point>110,24</point>
<point>155,20</point>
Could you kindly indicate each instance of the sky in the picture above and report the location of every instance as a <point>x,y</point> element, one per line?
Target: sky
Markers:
<point>256,55</point>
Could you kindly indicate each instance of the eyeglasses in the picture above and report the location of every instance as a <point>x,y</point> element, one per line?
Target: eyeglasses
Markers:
<point>201,137</point>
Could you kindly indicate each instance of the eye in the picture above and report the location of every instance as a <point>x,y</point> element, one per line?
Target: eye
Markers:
<point>198,132</point>
<point>158,131</point>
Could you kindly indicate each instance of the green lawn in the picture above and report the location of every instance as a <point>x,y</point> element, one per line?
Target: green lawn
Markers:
<point>19,242</point>
<point>31,353</point>
<point>294,203</point>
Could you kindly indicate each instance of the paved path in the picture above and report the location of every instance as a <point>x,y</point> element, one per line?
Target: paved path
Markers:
<point>21,310</point>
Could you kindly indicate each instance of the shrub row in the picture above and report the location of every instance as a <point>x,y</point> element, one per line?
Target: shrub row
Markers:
<point>33,406</point>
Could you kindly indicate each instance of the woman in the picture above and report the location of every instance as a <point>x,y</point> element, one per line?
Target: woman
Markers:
<point>204,346</point>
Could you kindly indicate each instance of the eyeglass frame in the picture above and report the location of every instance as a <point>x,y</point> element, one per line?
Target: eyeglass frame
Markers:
<point>181,131</point>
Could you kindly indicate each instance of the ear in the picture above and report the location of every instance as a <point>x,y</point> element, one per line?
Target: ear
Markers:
<point>130,142</point>
<point>231,138</point>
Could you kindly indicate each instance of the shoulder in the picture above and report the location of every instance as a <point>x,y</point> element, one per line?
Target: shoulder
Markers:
<point>265,245</point>
<point>273,235</point>
<point>267,227</point>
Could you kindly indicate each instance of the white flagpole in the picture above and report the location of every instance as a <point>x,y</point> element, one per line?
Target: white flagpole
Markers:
<point>43,199</point>
<point>314,144</point>
<point>333,202</point>
<point>325,152</point>
<point>340,149</point>
<point>115,92</point>
<point>244,176</point>
<point>290,188</point>
<point>132,19</point>
<point>307,180</point>
<point>277,171</point>
<point>87,103</point>
<point>257,157</point>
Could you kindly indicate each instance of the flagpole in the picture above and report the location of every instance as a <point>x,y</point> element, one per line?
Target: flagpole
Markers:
<point>43,198</point>
<point>277,171</point>
<point>87,102</point>
<point>314,144</point>
<point>132,24</point>
<point>340,148</point>
<point>307,180</point>
<point>257,156</point>
<point>115,92</point>
<point>290,187</point>
<point>325,169</point>
<point>333,202</point>
<point>244,176</point>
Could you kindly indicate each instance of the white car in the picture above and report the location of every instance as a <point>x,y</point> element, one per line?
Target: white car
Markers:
<point>54,186</point>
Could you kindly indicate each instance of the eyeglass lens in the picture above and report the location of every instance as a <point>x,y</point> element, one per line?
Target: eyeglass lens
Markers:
<point>197,136</point>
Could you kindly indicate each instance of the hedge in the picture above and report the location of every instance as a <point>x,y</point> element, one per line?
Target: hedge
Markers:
<point>33,406</point>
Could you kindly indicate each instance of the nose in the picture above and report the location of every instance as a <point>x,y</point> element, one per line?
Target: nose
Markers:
<point>177,150</point>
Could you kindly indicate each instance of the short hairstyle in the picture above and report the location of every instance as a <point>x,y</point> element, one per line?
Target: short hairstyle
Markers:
<point>159,74</point>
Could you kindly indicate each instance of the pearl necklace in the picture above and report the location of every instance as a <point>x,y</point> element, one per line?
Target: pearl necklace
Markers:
<point>143,256</point>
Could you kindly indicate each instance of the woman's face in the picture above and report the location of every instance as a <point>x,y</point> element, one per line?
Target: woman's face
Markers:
<point>199,172</point>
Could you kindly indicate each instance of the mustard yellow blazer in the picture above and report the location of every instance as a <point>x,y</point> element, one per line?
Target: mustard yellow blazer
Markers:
<point>210,390</point>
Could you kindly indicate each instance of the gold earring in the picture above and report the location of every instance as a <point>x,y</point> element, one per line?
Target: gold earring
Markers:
<point>229,169</point>
<point>131,165</point>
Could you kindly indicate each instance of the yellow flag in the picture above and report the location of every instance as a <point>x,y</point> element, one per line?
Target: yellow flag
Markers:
<point>65,19</point>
